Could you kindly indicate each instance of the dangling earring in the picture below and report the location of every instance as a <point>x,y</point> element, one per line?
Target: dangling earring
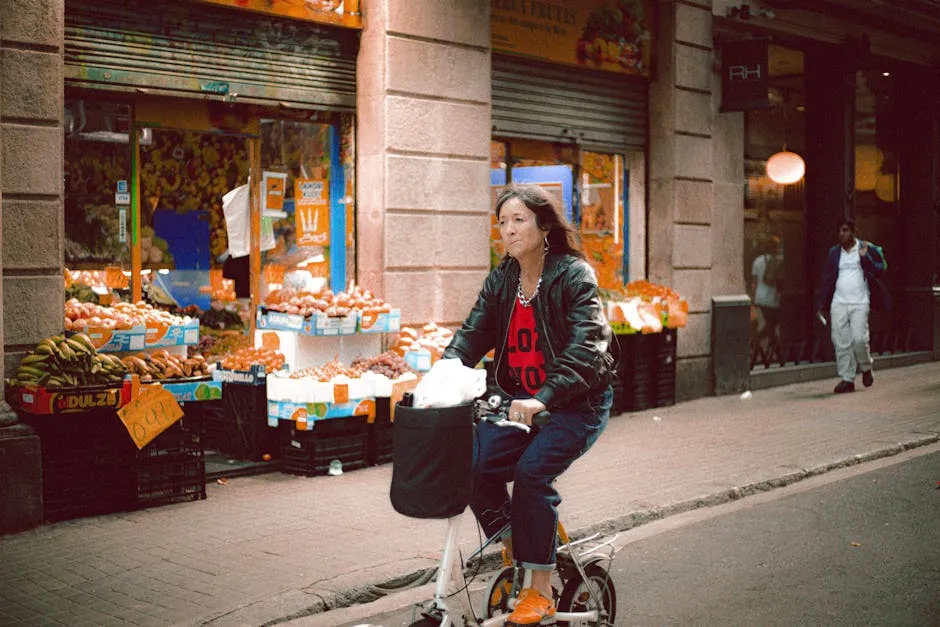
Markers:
<point>545,249</point>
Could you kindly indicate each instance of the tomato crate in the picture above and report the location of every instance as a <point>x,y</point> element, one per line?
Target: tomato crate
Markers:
<point>309,453</point>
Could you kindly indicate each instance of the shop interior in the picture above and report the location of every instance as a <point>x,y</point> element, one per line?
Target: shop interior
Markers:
<point>157,212</point>
<point>602,195</point>
<point>775,215</point>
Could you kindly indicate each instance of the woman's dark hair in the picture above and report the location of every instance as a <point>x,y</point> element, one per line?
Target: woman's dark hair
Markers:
<point>849,222</point>
<point>561,235</point>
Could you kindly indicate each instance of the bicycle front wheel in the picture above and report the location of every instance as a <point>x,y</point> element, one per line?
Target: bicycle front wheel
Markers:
<point>577,597</point>
<point>497,594</point>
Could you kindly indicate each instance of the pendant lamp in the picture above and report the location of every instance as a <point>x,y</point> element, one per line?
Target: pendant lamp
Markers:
<point>786,167</point>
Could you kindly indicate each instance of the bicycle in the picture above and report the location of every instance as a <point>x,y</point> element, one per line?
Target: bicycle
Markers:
<point>582,587</point>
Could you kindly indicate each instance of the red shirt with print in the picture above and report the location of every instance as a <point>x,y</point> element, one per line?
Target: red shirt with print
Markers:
<point>525,359</point>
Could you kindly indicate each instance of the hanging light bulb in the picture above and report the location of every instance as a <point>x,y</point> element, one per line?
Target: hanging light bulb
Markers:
<point>786,167</point>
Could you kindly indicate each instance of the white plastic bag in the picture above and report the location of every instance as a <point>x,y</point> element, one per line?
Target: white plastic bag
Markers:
<point>235,206</point>
<point>237,221</point>
<point>449,383</point>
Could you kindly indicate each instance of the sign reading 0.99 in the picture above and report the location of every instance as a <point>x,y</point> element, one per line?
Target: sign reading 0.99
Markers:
<point>150,414</point>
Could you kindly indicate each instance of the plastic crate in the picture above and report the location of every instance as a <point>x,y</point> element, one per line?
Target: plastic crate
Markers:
<point>87,464</point>
<point>90,465</point>
<point>647,371</point>
<point>172,468</point>
<point>309,453</point>
<point>178,480</point>
<point>246,434</point>
<point>379,431</point>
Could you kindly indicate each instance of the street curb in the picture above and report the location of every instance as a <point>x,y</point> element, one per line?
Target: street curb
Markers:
<point>332,600</point>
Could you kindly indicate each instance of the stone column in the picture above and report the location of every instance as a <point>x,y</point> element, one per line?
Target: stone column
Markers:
<point>423,155</point>
<point>31,101</point>
<point>31,219</point>
<point>696,209</point>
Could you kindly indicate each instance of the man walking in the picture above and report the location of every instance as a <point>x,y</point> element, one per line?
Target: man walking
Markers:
<point>849,284</point>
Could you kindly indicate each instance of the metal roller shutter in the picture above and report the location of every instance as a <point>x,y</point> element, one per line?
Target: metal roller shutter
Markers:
<point>557,103</point>
<point>185,49</point>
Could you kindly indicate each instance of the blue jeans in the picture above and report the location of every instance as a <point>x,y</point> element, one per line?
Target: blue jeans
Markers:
<point>532,461</point>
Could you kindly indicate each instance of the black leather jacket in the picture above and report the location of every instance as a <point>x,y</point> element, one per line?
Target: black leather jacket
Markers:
<point>573,333</point>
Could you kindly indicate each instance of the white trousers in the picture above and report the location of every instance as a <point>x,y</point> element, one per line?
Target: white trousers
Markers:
<point>850,338</point>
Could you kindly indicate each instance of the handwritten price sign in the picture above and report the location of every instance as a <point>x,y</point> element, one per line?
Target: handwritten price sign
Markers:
<point>150,414</point>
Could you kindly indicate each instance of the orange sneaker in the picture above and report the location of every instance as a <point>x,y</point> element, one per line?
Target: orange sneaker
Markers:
<point>532,609</point>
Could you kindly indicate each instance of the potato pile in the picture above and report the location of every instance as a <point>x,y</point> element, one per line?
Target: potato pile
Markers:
<point>326,372</point>
<point>161,365</point>
<point>337,304</point>
<point>81,316</point>
<point>244,358</point>
<point>432,337</point>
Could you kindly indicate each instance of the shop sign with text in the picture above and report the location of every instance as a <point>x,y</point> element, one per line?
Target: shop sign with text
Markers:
<point>610,35</point>
<point>744,75</point>
<point>312,209</point>
<point>339,12</point>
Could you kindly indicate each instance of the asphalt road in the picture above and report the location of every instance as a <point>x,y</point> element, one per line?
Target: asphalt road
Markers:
<point>859,546</point>
<point>864,550</point>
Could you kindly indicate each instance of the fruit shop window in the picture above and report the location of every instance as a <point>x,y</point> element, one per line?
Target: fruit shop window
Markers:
<point>307,210</point>
<point>551,166</point>
<point>97,194</point>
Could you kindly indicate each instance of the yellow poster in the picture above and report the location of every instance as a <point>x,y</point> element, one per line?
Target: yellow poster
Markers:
<point>610,35</point>
<point>312,212</point>
<point>340,12</point>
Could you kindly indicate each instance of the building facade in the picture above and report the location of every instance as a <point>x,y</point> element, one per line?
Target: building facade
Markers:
<point>417,107</point>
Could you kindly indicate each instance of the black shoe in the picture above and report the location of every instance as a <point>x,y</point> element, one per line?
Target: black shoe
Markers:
<point>868,378</point>
<point>844,386</point>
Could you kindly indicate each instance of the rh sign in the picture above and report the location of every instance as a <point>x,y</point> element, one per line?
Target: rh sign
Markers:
<point>744,75</point>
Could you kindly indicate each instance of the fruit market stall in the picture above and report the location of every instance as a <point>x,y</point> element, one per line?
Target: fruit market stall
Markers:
<point>645,318</point>
<point>113,435</point>
<point>337,417</point>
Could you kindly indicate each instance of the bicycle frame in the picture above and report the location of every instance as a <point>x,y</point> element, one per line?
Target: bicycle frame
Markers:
<point>452,614</point>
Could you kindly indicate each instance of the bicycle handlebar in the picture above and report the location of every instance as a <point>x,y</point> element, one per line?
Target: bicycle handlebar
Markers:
<point>496,410</point>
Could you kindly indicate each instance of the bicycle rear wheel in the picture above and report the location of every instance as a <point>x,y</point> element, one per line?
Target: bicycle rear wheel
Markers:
<point>576,597</point>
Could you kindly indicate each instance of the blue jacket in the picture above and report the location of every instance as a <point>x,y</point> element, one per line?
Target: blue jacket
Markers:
<point>873,265</point>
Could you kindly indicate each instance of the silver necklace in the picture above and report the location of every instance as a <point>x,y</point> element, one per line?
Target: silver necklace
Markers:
<point>527,301</point>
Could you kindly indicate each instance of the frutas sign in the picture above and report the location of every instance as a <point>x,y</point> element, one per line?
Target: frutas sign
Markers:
<point>609,35</point>
<point>338,12</point>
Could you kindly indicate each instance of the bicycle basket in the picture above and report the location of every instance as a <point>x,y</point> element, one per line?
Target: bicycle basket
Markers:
<point>432,458</point>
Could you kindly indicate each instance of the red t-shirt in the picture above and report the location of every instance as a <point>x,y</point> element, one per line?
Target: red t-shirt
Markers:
<point>524,358</point>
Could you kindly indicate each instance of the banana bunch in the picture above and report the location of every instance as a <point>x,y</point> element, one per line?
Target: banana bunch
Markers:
<point>60,361</point>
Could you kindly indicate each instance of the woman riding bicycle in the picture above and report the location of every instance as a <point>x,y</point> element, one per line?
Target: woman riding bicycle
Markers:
<point>539,308</point>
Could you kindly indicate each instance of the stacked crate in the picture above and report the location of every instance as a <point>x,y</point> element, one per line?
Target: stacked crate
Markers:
<point>90,465</point>
<point>172,468</point>
<point>309,452</point>
<point>647,371</point>
<point>379,442</point>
